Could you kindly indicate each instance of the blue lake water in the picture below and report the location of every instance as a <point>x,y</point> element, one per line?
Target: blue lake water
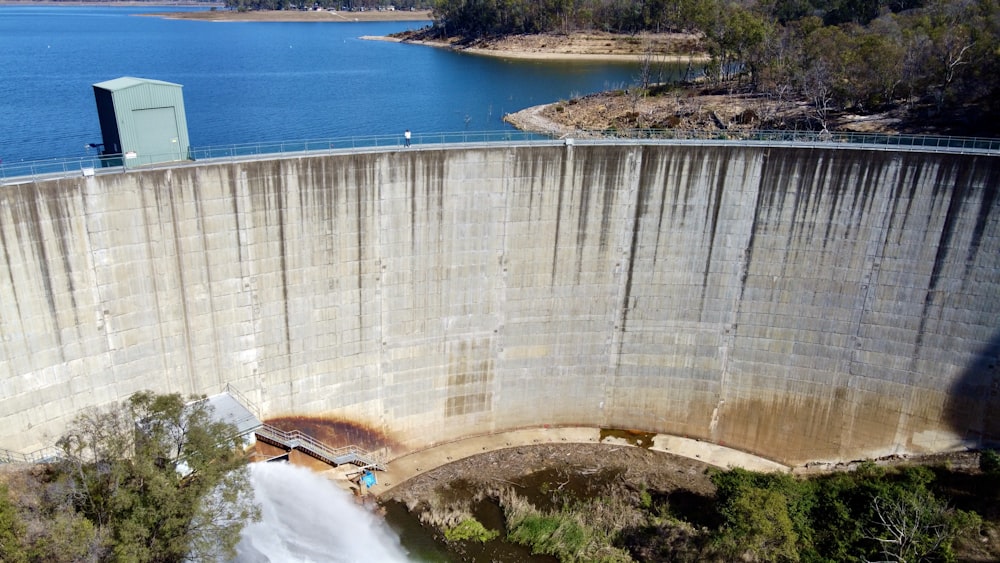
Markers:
<point>251,82</point>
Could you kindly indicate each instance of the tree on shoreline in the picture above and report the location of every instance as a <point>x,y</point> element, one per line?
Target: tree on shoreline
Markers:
<point>154,479</point>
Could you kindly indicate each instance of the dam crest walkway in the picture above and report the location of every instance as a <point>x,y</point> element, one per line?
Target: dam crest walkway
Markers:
<point>12,173</point>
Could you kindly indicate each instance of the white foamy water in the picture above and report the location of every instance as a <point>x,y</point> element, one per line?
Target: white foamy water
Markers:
<point>306,518</point>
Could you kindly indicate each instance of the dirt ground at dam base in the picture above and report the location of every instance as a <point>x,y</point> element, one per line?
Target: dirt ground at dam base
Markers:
<point>658,470</point>
<point>658,460</point>
<point>432,483</point>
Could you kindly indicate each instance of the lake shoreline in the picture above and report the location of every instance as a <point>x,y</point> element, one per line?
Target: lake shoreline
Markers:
<point>580,46</point>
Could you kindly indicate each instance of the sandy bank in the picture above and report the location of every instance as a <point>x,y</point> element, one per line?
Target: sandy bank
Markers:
<point>594,46</point>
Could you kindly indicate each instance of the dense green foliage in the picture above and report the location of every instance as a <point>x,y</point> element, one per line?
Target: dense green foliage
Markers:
<point>870,514</point>
<point>477,18</point>
<point>944,55</point>
<point>470,529</point>
<point>557,534</point>
<point>576,531</point>
<point>152,480</point>
<point>857,55</point>
<point>989,462</point>
<point>502,17</point>
<point>11,530</point>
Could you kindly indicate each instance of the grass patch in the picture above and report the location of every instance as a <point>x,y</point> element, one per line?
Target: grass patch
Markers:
<point>574,532</point>
<point>560,535</point>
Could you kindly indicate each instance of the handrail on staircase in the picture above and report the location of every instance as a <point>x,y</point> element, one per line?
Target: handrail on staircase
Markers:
<point>296,438</point>
<point>242,399</point>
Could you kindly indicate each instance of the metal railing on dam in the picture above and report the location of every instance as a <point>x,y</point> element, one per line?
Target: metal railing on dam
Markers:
<point>111,163</point>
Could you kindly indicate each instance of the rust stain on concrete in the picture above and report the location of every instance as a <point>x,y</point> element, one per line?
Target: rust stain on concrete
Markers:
<point>334,432</point>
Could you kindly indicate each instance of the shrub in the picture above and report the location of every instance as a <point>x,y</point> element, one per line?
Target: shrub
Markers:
<point>989,462</point>
<point>645,500</point>
<point>470,529</point>
<point>11,530</point>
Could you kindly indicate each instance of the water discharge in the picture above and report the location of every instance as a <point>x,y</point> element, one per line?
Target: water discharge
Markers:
<point>306,518</point>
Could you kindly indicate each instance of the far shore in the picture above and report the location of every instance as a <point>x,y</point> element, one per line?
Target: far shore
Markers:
<point>216,11</point>
<point>298,16</point>
<point>108,3</point>
<point>545,47</point>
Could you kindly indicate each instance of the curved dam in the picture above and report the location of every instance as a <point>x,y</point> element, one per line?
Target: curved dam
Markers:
<point>800,303</point>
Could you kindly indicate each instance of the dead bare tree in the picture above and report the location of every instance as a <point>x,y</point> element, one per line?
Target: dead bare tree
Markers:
<point>646,59</point>
<point>909,528</point>
<point>817,85</point>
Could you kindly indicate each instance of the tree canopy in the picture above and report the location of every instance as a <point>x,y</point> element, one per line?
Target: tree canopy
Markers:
<point>839,55</point>
<point>870,514</point>
<point>155,479</point>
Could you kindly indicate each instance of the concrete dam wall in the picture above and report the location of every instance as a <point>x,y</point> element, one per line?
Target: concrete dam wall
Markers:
<point>799,303</point>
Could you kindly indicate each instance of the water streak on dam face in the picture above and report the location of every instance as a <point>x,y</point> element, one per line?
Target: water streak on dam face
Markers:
<point>797,303</point>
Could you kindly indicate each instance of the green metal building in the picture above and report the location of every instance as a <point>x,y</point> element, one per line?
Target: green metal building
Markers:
<point>142,121</point>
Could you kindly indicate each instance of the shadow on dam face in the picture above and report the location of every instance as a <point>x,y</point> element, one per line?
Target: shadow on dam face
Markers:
<point>794,302</point>
<point>973,405</point>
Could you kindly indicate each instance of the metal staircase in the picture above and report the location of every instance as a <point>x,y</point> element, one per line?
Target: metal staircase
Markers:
<point>295,440</point>
<point>44,455</point>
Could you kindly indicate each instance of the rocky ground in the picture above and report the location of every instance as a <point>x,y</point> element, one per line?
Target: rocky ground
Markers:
<point>701,109</point>
<point>639,467</point>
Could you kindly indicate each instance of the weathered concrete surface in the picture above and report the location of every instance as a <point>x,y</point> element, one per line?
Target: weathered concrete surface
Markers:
<point>800,304</point>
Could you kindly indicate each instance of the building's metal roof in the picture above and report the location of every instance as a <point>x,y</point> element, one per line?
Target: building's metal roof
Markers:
<point>124,82</point>
<point>225,408</point>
